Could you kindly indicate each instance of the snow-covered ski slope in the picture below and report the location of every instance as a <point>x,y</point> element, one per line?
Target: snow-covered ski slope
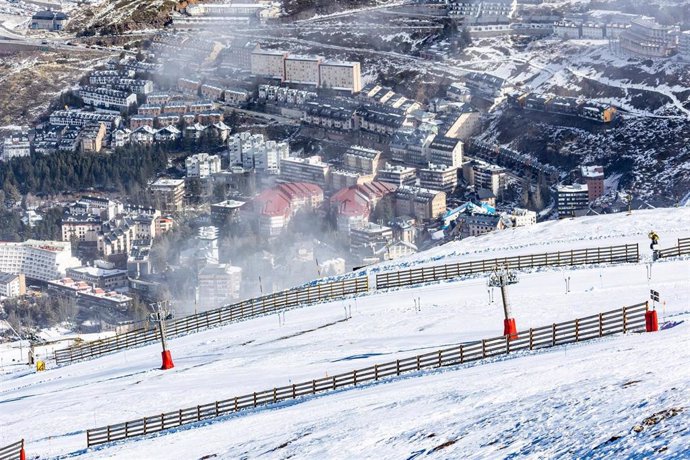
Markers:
<point>564,402</point>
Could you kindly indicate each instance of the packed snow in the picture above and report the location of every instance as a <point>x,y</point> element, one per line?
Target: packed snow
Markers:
<point>574,401</point>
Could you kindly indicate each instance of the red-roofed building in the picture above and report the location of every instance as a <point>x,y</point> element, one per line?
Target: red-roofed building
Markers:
<point>352,209</point>
<point>302,194</point>
<point>274,211</point>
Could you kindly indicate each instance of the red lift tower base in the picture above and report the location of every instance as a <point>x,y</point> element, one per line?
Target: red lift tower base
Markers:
<point>651,321</point>
<point>167,360</point>
<point>510,329</point>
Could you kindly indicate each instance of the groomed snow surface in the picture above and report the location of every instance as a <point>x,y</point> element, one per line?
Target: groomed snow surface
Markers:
<point>621,396</point>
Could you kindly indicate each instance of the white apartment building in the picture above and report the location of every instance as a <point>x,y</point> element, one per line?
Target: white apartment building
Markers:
<point>202,165</point>
<point>82,118</point>
<point>593,31</point>
<point>439,177</point>
<point>310,169</point>
<point>15,147</point>
<point>40,260</point>
<point>253,151</point>
<point>446,151</point>
<point>302,69</point>
<point>107,98</point>
<point>270,63</point>
<point>646,38</point>
<point>684,45</point>
<point>523,217</point>
<point>341,75</point>
<point>219,284</point>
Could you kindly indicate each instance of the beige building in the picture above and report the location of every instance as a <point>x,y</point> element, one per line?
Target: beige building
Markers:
<point>12,285</point>
<point>421,203</point>
<point>168,194</point>
<point>269,63</point>
<point>82,227</point>
<point>341,75</point>
<point>363,160</point>
<point>466,125</point>
<point>302,69</point>
<point>92,138</point>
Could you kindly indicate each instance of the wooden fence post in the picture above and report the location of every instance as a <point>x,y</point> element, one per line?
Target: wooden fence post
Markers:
<point>418,364</point>
<point>439,358</point>
<point>531,338</point>
<point>179,417</point>
<point>462,354</point>
<point>144,425</point>
<point>553,331</point>
<point>577,329</point>
<point>275,395</point>
<point>235,404</point>
<point>354,376</point>
<point>198,413</point>
<point>376,371</point>
<point>507,338</point>
<point>625,319</point>
<point>334,382</point>
<point>294,391</point>
<point>255,399</point>
<point>108,432</point>
<point>483,348</point>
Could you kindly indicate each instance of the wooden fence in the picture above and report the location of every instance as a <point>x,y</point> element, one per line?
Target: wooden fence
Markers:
<point>336,289</point>
<point>623,320</point>
<point>608,254</point>
<point>13,451</point>
<point>240,311</point>
<point>682,249</point>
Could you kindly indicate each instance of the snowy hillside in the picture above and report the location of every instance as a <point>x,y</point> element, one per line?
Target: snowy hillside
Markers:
<point>581,400</point>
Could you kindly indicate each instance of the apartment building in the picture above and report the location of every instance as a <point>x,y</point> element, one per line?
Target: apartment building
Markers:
<point>269,63</point>
<point>341,178</point>
<point>92,137</point>
<point>202,165</point>
<point>439,177</point>
<point>211,92</point>
<point>107,98</point>
<point>397,175</point>
<point>302,70</point>
<point>411,146</point>
<point>228,210</point>
<point>168,194</point>
<point>188,86</point>
<point>79,118</point>
<point>572,200</point>
<point>594,177</point>
<point>423,204</point>
<point>339,75</point>
<point>684,45</point>
<point>48,20</point>
<point>254,152</point>
<point>361,159</point>
<point>523,217</point>
<point>40,260</point>
<point>446,151</point>
<point>310,169</point>
<point>15,146</point>
<point>648,39</point>
<point>219,284</point>
<point>12,285</point>
<point>81,227</point>
<point>103,276</point>
<point>483,175</point>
